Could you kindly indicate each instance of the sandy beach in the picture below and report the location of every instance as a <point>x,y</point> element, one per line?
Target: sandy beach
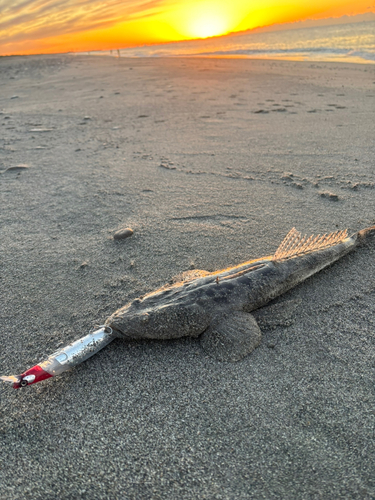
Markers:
<point>211,162</point>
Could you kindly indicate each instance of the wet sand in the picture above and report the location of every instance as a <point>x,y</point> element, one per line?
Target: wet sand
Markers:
<point>211,162</point>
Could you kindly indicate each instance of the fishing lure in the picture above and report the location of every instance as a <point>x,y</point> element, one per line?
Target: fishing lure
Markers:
<point>64,359</point>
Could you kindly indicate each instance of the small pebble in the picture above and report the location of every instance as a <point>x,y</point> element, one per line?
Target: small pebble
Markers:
<point>121,234</point>
<point>330,196</point>
<point>287,175</point>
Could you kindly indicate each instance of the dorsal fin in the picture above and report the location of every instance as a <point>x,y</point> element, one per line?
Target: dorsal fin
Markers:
<point>294,244</point>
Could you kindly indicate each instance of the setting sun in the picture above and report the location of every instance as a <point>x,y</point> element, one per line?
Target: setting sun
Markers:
<point>203,19</point>
<point>205,27</point>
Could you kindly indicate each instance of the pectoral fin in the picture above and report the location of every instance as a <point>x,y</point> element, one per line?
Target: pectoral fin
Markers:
<point>231,337</point>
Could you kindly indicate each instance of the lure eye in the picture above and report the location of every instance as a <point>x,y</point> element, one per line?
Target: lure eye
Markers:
<point>28,379</point>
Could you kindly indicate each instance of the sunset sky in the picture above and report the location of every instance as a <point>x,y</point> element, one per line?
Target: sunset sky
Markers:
<point>48,26</point>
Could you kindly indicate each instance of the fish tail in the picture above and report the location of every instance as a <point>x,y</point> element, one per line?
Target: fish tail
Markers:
<point>365,235</point>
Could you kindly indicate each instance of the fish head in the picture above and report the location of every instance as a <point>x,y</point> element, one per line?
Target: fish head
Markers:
<point>130,321</point>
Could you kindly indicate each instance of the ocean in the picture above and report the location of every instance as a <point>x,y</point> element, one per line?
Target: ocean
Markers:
<point>353,42</point>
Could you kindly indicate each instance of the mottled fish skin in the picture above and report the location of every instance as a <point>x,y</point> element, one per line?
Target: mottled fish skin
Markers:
<point>188,308</point>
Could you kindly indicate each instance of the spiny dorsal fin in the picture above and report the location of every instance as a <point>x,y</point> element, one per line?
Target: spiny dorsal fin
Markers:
<point>294,244</point>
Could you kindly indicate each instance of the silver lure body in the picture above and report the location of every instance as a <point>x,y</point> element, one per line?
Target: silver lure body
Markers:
<point>78,351</point>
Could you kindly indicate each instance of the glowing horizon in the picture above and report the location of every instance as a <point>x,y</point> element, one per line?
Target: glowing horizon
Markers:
<point>50,26</point>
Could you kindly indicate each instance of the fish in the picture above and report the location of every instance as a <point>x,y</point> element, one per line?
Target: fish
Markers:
<point>214,306</point>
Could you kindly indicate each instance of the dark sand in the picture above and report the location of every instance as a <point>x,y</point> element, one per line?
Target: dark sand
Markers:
<point>211,162</point>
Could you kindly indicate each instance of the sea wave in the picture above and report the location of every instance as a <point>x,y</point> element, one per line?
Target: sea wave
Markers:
<point>297,52</point>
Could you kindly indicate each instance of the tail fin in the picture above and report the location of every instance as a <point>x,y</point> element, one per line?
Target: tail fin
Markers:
<point>365,235</point>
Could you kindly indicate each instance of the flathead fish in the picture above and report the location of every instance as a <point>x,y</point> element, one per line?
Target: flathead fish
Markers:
<point>215,306</point>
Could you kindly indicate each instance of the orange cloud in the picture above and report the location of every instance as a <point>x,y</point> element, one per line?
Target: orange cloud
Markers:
<point>281,11</point>
<point>35,26</point>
